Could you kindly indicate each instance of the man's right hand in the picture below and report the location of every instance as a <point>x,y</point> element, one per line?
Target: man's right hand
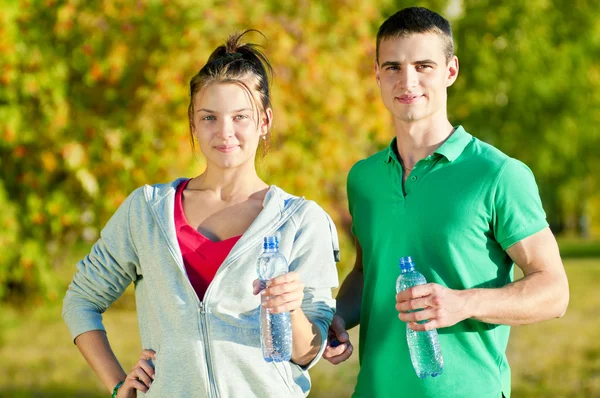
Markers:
<point>339,348</point>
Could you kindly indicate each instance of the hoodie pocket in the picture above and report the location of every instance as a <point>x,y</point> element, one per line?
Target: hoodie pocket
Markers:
<point>284,370</point>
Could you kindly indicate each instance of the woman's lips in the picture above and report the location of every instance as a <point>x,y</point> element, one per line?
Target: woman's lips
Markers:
<point>226,148</point>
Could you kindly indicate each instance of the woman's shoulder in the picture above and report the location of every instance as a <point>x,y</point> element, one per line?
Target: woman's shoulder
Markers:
<point>298,204</point>
<point>157,191</point>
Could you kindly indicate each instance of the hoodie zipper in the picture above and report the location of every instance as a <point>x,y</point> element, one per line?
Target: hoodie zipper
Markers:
<point>211,378</point>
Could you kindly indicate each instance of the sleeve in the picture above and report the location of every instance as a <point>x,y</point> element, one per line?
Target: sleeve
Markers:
<point>103,275</point>
<point>313,256</point>
<point>517,210</point>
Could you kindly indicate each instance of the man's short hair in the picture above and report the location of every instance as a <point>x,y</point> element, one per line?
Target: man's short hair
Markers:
<point>411,20</point>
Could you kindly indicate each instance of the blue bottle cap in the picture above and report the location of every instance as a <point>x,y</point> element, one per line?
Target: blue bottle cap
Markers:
<point>406,264</point>
<point>271,242</point>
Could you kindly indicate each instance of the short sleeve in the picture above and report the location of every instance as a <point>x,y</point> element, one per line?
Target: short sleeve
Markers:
<point>517,208</point>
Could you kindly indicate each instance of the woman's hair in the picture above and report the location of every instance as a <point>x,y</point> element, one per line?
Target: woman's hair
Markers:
<point>239,63</point>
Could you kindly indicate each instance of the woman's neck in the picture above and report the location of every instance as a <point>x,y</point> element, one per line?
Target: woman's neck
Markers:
<point>230,185</point>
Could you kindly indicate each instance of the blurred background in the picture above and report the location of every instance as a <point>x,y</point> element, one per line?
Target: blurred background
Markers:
<point>93,103</point>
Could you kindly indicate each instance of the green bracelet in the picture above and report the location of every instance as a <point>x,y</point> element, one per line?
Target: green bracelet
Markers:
<point>119,384</point>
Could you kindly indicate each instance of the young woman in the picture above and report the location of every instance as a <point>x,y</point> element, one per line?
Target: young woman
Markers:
<point>190,247</point>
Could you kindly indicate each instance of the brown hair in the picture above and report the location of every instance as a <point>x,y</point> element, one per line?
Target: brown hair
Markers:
<point>234,62</point>
<point>413,20</point>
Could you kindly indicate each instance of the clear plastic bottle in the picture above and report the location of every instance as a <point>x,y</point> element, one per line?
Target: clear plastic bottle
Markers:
<point>275,329</point>
<point>424,347</point>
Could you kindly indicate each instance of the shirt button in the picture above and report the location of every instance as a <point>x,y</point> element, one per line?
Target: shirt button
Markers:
<point>413,178</point>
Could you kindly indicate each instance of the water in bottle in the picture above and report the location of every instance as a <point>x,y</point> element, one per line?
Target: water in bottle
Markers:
<point>275,329</point>
<point>424,347</point>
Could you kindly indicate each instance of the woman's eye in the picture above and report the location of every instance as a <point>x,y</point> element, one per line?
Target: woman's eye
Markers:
<point>209,117</point>
<point>240,117</point>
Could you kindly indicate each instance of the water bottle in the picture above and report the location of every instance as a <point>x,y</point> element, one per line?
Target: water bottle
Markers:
<point>275,329</point>
<point>424,347</point>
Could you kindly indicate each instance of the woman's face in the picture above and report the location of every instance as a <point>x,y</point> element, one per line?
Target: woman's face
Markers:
<point>224,122</point>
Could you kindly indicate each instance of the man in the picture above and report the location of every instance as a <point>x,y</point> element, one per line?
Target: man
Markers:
<point>463,210</point>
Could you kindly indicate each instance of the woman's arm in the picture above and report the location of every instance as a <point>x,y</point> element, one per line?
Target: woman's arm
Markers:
<point>306,291</point>
<point>95,348</point>
<point>286,293</point>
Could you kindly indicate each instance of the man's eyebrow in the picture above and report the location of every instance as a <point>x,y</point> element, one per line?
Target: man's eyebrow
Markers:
<point>390,63</point>
<point>425,61</point>
<point>420,62</point>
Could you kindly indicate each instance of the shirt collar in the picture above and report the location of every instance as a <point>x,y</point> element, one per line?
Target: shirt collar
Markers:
<point>450,149</point>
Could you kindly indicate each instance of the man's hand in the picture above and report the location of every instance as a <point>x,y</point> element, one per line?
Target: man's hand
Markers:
<point>441,307</point>
<point>339,348</point>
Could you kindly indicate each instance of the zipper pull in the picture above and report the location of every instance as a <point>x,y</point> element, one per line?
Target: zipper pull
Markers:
<point>202,308</point>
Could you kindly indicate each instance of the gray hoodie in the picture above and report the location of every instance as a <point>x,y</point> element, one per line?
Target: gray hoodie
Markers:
<point>208,348</point>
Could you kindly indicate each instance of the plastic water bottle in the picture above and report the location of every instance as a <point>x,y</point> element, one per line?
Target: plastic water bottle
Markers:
<point>275,329</point>
<point>424,347</point>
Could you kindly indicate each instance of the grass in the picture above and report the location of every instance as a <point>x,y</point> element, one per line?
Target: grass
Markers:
<point>558,358</point>
<point>579,248</point>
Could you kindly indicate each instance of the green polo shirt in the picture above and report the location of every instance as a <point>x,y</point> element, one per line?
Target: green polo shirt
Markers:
<point>458,212</point>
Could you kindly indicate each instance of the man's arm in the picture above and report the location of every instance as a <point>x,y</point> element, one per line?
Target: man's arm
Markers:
<point>349,298</point>
<point>541,294</point>
<point>347,316</point>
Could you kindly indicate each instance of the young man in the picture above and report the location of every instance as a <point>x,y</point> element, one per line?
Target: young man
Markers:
<point>463,210</point>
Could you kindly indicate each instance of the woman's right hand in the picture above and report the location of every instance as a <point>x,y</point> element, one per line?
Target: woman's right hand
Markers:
<point>140,378</point>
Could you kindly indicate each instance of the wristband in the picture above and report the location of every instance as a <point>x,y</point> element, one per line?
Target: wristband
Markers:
<point>119,384</point>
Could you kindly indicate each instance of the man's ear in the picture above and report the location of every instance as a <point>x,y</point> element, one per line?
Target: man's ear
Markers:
<point>376,70</point>
<point>452,70</point>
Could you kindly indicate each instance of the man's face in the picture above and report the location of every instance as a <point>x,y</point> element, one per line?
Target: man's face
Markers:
<point>413,75</point>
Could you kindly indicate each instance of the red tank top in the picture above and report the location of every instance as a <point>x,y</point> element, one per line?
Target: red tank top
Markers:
<point>201,256</point>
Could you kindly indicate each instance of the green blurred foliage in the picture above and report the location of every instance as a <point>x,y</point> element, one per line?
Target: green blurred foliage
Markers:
<point>93,103</point>
<point>529,85</point>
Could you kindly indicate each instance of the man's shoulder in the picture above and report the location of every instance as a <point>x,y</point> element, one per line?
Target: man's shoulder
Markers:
<point>486,154</point>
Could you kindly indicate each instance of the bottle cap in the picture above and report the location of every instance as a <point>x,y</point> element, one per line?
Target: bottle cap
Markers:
<point>406,264</point>
<point>271,242</point>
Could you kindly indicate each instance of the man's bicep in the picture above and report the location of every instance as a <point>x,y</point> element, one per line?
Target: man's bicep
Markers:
<point>537,252</point>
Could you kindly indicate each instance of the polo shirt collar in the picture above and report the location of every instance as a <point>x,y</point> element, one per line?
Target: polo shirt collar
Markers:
<point>391,152</point>
<point>451,149</point>
<point>455,144</point>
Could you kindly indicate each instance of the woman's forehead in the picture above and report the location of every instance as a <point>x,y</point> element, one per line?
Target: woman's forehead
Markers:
<point>228,94</point>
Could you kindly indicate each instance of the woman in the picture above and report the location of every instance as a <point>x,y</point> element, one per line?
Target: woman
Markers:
<point>190,247</point>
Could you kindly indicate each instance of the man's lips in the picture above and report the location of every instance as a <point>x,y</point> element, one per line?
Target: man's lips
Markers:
<point>408,98</point>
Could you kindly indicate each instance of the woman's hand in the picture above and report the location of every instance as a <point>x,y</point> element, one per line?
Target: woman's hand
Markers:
<point>140,378</point>
<point>281,294</point>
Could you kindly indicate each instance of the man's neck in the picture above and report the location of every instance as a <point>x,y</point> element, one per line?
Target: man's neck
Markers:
<point>418,140</point>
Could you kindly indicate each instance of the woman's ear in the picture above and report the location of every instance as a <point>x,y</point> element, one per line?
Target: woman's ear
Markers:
<point>267,122</point>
